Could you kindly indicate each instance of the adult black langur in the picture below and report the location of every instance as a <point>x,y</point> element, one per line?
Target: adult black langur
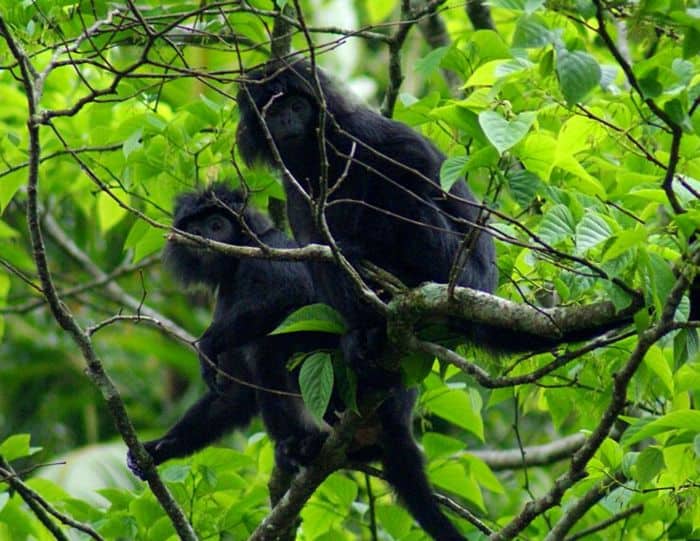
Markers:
<point>384,202</point>
<point>253,297</point>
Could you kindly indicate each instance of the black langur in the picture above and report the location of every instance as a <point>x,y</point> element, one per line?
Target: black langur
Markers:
<point>384,202</point>
<point>253,297</point>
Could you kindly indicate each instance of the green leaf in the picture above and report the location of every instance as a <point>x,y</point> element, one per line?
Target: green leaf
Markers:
<point>108,211</point>
<point>9,184</point>
<point>133,142</point>
<point>395,520</point>
<point>625,241</point>
<point>452,170</point>
<point>649,463</point>
<point>314,317</point>
<point>485,75</point>
<point>7,231</point>
<point>485,476</point>
<point>144,240</point>
<point>438,445</point>
<point>490,45</point>
<point>578,73</point>
<point>17,446</point>
<point>429,63</point>
<point>558,224</point>
<point>177,473</point>
<point>504,134</point>
<point>339,489</point>
<point>316,383</point>
<point>681,419</point>
<point>691,43</point>
<point>454,477</point>
<point>524,186</point>
<point>379,11</point>
<point>459,407</point>
<point>485,157</point>
<point>530,32</point>
<point>655,360</point>
<point>591,231</point>
<point>651,87</point>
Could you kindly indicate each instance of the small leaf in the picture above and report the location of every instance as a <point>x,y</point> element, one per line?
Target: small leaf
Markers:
<point>316,383</point>
<point>429,63</point>
<point>459,407</point>
<point>655,361</point>
<point>558,224</point>
<point>530,32</point>
<point>591,231</point>
<point>691,43</point>
<point>578,73</point>
<point>17,446</point>
<point>625,241</point>
<point>503,134</point>
<point>681,419</point>
<point>524,186</point>
<point>109,212</point>
<point>177,473</point>
<point>485,157</point>
<point>6,231</point>
<point>649,463</point>
<point>649,84</point>
<point>132,143</point>
<point>314,317</point>
<point>452,170</point>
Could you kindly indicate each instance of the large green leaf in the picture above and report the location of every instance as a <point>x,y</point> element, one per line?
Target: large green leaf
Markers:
<point>578,73</point>
<point>314,317</point>
<point>681,419</point>
<point>504,134</point>
<point>316,383</point>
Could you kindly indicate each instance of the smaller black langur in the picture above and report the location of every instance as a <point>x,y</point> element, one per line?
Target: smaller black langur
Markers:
<point>253,297</point>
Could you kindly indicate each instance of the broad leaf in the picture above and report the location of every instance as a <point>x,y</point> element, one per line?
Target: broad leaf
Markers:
<point>504,134</point>
<point>314,317</point>
<point>578,73</point>
<point>316,383</point>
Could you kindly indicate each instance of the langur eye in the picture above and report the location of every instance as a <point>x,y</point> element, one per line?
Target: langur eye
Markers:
<point>216,225</point>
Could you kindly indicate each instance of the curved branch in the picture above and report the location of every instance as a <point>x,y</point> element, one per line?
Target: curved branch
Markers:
<point>331,458</point>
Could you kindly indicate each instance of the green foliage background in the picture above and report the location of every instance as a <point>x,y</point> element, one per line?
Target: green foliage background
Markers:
<point>542,89</point>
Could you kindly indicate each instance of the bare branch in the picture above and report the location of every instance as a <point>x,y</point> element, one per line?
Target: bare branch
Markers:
<point>41,507</point>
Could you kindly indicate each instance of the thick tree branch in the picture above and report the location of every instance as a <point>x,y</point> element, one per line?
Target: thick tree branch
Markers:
<point>432,300</point>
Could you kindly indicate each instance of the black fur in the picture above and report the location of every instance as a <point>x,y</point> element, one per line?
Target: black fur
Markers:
<point>388,207</point>
<point>414,254</point>
<point>253,296</point>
